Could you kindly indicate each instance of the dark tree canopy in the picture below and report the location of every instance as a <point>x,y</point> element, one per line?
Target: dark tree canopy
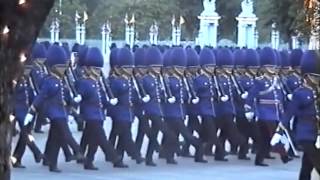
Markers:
<point>289,15</point>
<point>20,23</point>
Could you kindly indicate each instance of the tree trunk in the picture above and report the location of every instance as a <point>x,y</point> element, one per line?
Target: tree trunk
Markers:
<point>19,27</point>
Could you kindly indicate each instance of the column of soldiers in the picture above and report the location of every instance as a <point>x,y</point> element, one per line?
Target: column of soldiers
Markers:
<point>208,96</point>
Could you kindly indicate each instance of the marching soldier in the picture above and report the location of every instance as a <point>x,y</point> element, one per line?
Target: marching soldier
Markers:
<point>112,74</point>
<point>24,95</point>
<point>140,71</point>
<point>286,77</point>
<point>305,107</point>
<point>191,73</point>
<point>206,90</point>
<point>53,92</point>
<point>175,110</point>
<point>92,106</point>
<point>225,106</point>
<point>81,59</point>
<point>38,73</point>
<point>266,95</point>
<point>167,97</point>
<point>122,113</point>
<point>155,88</point>
<point>245,72</point>
<point>73,73</point>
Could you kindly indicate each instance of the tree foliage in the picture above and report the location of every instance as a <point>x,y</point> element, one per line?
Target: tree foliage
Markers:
<point>20,25</point>
<point>288,14</point>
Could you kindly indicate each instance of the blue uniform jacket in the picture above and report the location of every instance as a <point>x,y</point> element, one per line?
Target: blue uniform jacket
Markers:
<point>228,107</point>
<point>204,88</point>
<point>175,110</point>
<point>23,97</point>
<point>153,88</point>
<point>192,109</point>
<point>54,93</point>
<point>123,90</point>
<point>266,99</point>
<point>246,83</point>
<point>305,109</point>
<point>38,75</point>
<point>94,101</point>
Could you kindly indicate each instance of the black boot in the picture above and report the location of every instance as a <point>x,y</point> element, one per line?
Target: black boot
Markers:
<point>79,157</point>
<point>150,163</point>
<point>222,159</point>
<point>90,166</point>
<point>71,158</point>
<point>18,165</point>
<point>172,161</point>
<point>261,164</point>
<point>200,160</point>
<point>38,158</point>
<point>45,161</point>
<point>54,169</point>
<point>120,164</point>
<point>244,157</point>
<point>185,152</point>
<point>139,160</point>
<point>285,159</point>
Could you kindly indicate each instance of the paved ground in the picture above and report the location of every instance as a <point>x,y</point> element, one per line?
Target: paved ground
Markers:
<point>186,169</point>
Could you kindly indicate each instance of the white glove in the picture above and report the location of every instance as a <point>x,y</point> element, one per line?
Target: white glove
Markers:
<point>114,101</point>
<point>172,100</point>
<point>195,100</point>
<point>318,142</point>
<point>225,98</point>
<point>290,96</point>
<point>249,115</point>
<point>146,99</point>
<point>275,139</point>
<point>244,95</point>
<point>77,99</point>
<point>284,140</point>
<point>28,119</point>
<point>70,118</point>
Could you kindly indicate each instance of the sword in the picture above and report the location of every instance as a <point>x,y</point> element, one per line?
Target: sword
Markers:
<point>289,139</point>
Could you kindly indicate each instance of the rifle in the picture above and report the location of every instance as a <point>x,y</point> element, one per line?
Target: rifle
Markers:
<point>218,88</point>
<point>238,87</point>
<point>107,87</point>
<point>165,85</point>
<point>69,80</point>
<point>191,92</point>
<point>140,90</point>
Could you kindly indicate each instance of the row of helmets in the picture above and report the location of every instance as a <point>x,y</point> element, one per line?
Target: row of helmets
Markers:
<point>166,56</point>
<point>55,54</point>
<point>308,61</point>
